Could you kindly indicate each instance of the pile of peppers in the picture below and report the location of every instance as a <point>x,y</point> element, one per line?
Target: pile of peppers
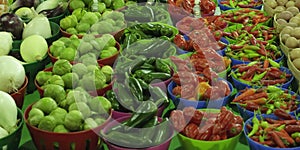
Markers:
<point>260,73</point>
<point>267,99</point>
<point>213,23</point>
<point>245,16</point>
<point>186,7</point>
<point>241,3</point>
<point>197,83</point>
<point>283,132</point>
<point>208,126</point>
<point>142,129</point>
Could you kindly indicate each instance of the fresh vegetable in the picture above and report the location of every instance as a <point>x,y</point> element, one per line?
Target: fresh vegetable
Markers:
<point>12,74</point>
<point>59,10</point>
<point>46,104</point>
<point>39,25</point>
<point>208,126</point>
<point>241,4</point>
<point>256,74</point>
<point>23,3</point>
<point>10,22</point>
<point>282,131</point>
<point>33,52</point>
<point>205,8</point>
<point>267,100</point>
<point>46,5</point>
<point>6,43</point>
<point>62,67</point>
<point>9,112</point>
<point>25,13</point>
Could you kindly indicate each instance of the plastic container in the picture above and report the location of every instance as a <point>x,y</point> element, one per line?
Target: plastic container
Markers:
<point>31,69</point>
<point>20,94</point>
<point>224,8</point>
<point>181,102</point>
<point>239,85</point>
<point>87,139</point>
<point>163,146</point>
<point>106,61</point>
<point>98,92</point>
<point>193,144</point>
<point>257,146</point>
<point>246,114</point>
<point>55,35</point>
<point>12,140</point>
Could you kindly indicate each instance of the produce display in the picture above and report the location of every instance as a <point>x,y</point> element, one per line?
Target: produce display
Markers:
<point>124,74</point>
<point>281,130</point>
<point>267,100</point>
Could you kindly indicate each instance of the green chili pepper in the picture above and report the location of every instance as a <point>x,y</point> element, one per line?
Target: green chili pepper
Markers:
<point>258,77</point>
<point>157,94</point>
<point>126,100</point>
<point>231,3</point>
<point>161,66</point>
<point>252,63</point>
<point>163,132</point>
<point>241,43</point>
<point>143,84</point>
<point>252,55</point>
<point>273,63</point>
<point>280,127</point>
<point>113,99</point>
<point>248,51</point>
<point>126,139</point>
<point>244,81</point>
<point>295,135</point>
<point>156,75</point>
<point>255,127</point>
<point>165,31</point>
<point>150,60</point>
<point>251,47</point>
<point>136,64</point>
<point>147,66</point>
<point>232,55</point>
<point>134,87</point>
<point>273,89</point>
<point>261,138</point>
<point>145,111</point>
<point>141,72</point>
<point>264,124</point>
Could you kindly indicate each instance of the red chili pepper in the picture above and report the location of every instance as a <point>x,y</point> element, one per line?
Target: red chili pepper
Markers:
<point>234,129</point>
<point>235,34</point>
<point>292,128</point>
<point>286,136</point>
<point>269,143</point>
<point>191,130</point>
<point>235,47</point>
<point>238,120</point>
<point>250,72</point>
<point>215,138</point>
<point>177,119</point>
<point>205,132</point>
<point>282,114</point>
<point>192,115</point>
<point>180,42</point>
<point>251,106</point>
<point>256,96</point>
<point>277,139</point>
<point>252,39</point>
<point>273,82</point>
<point>227,119</point>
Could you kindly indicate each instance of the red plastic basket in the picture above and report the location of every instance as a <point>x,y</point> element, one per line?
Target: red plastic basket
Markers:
<point>87,139</point>
<point>20,94</point>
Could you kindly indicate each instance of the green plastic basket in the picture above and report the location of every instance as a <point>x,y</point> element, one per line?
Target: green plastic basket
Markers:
<point>11,142</point>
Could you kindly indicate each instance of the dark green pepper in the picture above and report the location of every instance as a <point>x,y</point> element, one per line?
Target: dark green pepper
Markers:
<point>134,87</point>
<point>144,85</point>
<point>165,31</point>
<point>147,66</point>
<point>126,139</point>
<point>145,111</point>
<point>127,100</point>
<point>151,60</point>
<point>113,99</point>
<point>136,64</point>
<point>157,93</point>
<point>161,66</point>
<point>162,132</point>
<point>156,75</point>
<point>141,72</point>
